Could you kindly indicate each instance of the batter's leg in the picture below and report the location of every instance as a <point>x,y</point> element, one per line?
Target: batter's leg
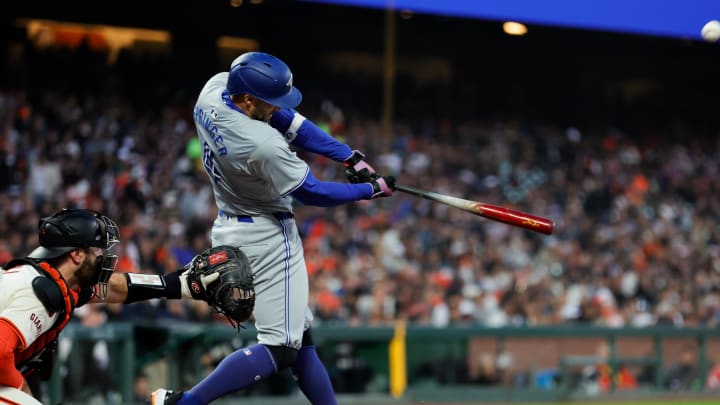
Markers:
<point>275,251</point>
<point>239,370</point>
<point>311,375</point>
<point>281,288</point>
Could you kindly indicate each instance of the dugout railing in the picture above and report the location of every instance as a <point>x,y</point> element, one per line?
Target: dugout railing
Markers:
<point>408,362</point>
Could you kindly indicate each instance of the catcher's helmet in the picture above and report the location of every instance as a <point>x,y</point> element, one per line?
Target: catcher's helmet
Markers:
<point>265,77</point>
<point>74,228</point>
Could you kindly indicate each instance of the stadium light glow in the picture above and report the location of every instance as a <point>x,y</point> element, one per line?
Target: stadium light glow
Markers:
<point>514,28</point>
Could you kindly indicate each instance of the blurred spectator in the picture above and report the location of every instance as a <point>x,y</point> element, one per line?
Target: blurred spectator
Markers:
<point>683,375</point>
<point>44,178</point>
<point>446,370</point>
<point>602,377</point>
<point>349,372</point>
<point>94,381</point>
<point>713,378</point>
<point>648,372</point>
<point>488,373</point>
<point>141,390</point>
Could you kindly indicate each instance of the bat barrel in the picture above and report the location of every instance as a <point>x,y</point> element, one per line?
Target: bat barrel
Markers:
<point>517,218</point>
<point>494,212</point>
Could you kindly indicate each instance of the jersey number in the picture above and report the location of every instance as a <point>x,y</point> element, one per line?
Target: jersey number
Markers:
<point>209,164</point>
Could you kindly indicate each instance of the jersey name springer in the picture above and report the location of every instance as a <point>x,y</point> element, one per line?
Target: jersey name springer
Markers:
<point>205,119</point>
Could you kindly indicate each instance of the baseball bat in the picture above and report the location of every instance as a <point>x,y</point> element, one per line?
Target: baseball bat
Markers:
<point>489,211</point>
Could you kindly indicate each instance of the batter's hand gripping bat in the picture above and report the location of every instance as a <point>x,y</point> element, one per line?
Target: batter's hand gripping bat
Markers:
<point>489,211</point>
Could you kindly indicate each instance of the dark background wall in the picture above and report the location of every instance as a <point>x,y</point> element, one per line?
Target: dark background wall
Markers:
<point>563,75</point>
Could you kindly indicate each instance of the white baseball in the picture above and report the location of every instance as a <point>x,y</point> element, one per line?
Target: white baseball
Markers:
<point>711,31</point>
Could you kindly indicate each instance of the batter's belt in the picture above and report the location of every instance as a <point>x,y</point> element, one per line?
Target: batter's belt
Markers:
<point>247,218</point>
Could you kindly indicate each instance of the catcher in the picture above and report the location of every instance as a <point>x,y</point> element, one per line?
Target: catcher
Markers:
<point>75,265</point>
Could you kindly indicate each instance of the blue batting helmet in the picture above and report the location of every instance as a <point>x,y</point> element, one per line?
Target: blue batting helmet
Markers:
<point>265,77</point>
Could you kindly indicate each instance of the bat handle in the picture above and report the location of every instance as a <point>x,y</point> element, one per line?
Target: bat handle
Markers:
<point>409,190</point>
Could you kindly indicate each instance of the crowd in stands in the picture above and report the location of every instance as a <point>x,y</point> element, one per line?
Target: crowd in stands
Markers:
<point>636,243</point>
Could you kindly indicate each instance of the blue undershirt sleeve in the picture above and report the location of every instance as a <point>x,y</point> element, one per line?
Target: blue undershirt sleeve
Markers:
<point>305,134</point>
<point>327,194</point>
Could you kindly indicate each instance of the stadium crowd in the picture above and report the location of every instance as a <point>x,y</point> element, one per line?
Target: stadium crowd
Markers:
<point>636,240</point>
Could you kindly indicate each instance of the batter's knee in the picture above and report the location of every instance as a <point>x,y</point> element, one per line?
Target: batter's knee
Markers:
<point>307,338</point>
<point>284,356</point>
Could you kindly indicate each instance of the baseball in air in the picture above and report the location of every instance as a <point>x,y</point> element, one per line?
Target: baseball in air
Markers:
<point>711,31</point>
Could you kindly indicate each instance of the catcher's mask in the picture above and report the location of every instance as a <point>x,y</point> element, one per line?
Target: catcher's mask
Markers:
<point>232,294</point>
<point>70,229</point>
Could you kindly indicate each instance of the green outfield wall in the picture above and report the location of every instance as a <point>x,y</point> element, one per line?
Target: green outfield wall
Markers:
<point>440,364</point>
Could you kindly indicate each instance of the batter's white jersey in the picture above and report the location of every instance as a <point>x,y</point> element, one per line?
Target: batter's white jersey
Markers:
<point>20,306</point>
<point>253,171</point>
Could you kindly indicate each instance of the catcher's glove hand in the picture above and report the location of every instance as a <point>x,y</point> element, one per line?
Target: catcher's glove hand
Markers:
<point>222,277</point>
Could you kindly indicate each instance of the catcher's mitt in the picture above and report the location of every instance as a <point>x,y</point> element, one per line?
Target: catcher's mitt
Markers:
<point>222,277</point>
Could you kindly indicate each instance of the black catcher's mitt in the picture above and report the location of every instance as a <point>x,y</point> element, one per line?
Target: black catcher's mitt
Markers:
<point>222,277</point>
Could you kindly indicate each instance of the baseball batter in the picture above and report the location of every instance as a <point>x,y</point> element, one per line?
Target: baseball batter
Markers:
<point>246,124</point>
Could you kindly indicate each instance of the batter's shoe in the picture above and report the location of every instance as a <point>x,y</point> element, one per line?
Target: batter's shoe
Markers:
<point>165,397</point>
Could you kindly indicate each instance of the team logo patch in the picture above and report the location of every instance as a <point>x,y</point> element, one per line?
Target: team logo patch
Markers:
<point>218,258</point>
<point>37,323</point>
<point>195,286</point>
<point>247,352</point>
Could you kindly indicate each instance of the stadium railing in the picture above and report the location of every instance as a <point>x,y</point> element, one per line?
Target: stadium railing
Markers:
<point>434,363</point>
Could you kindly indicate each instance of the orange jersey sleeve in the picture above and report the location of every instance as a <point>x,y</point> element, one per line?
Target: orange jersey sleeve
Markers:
<point>10,341</point>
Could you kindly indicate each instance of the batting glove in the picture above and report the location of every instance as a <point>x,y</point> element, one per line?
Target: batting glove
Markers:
<point>383,186</point>
<point>357,169</point>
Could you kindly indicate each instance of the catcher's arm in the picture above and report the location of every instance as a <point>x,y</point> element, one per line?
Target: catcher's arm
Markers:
<point>220,276</point>
<point>133,287</point>
<point>117,290</point>
<point>126,288</point>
